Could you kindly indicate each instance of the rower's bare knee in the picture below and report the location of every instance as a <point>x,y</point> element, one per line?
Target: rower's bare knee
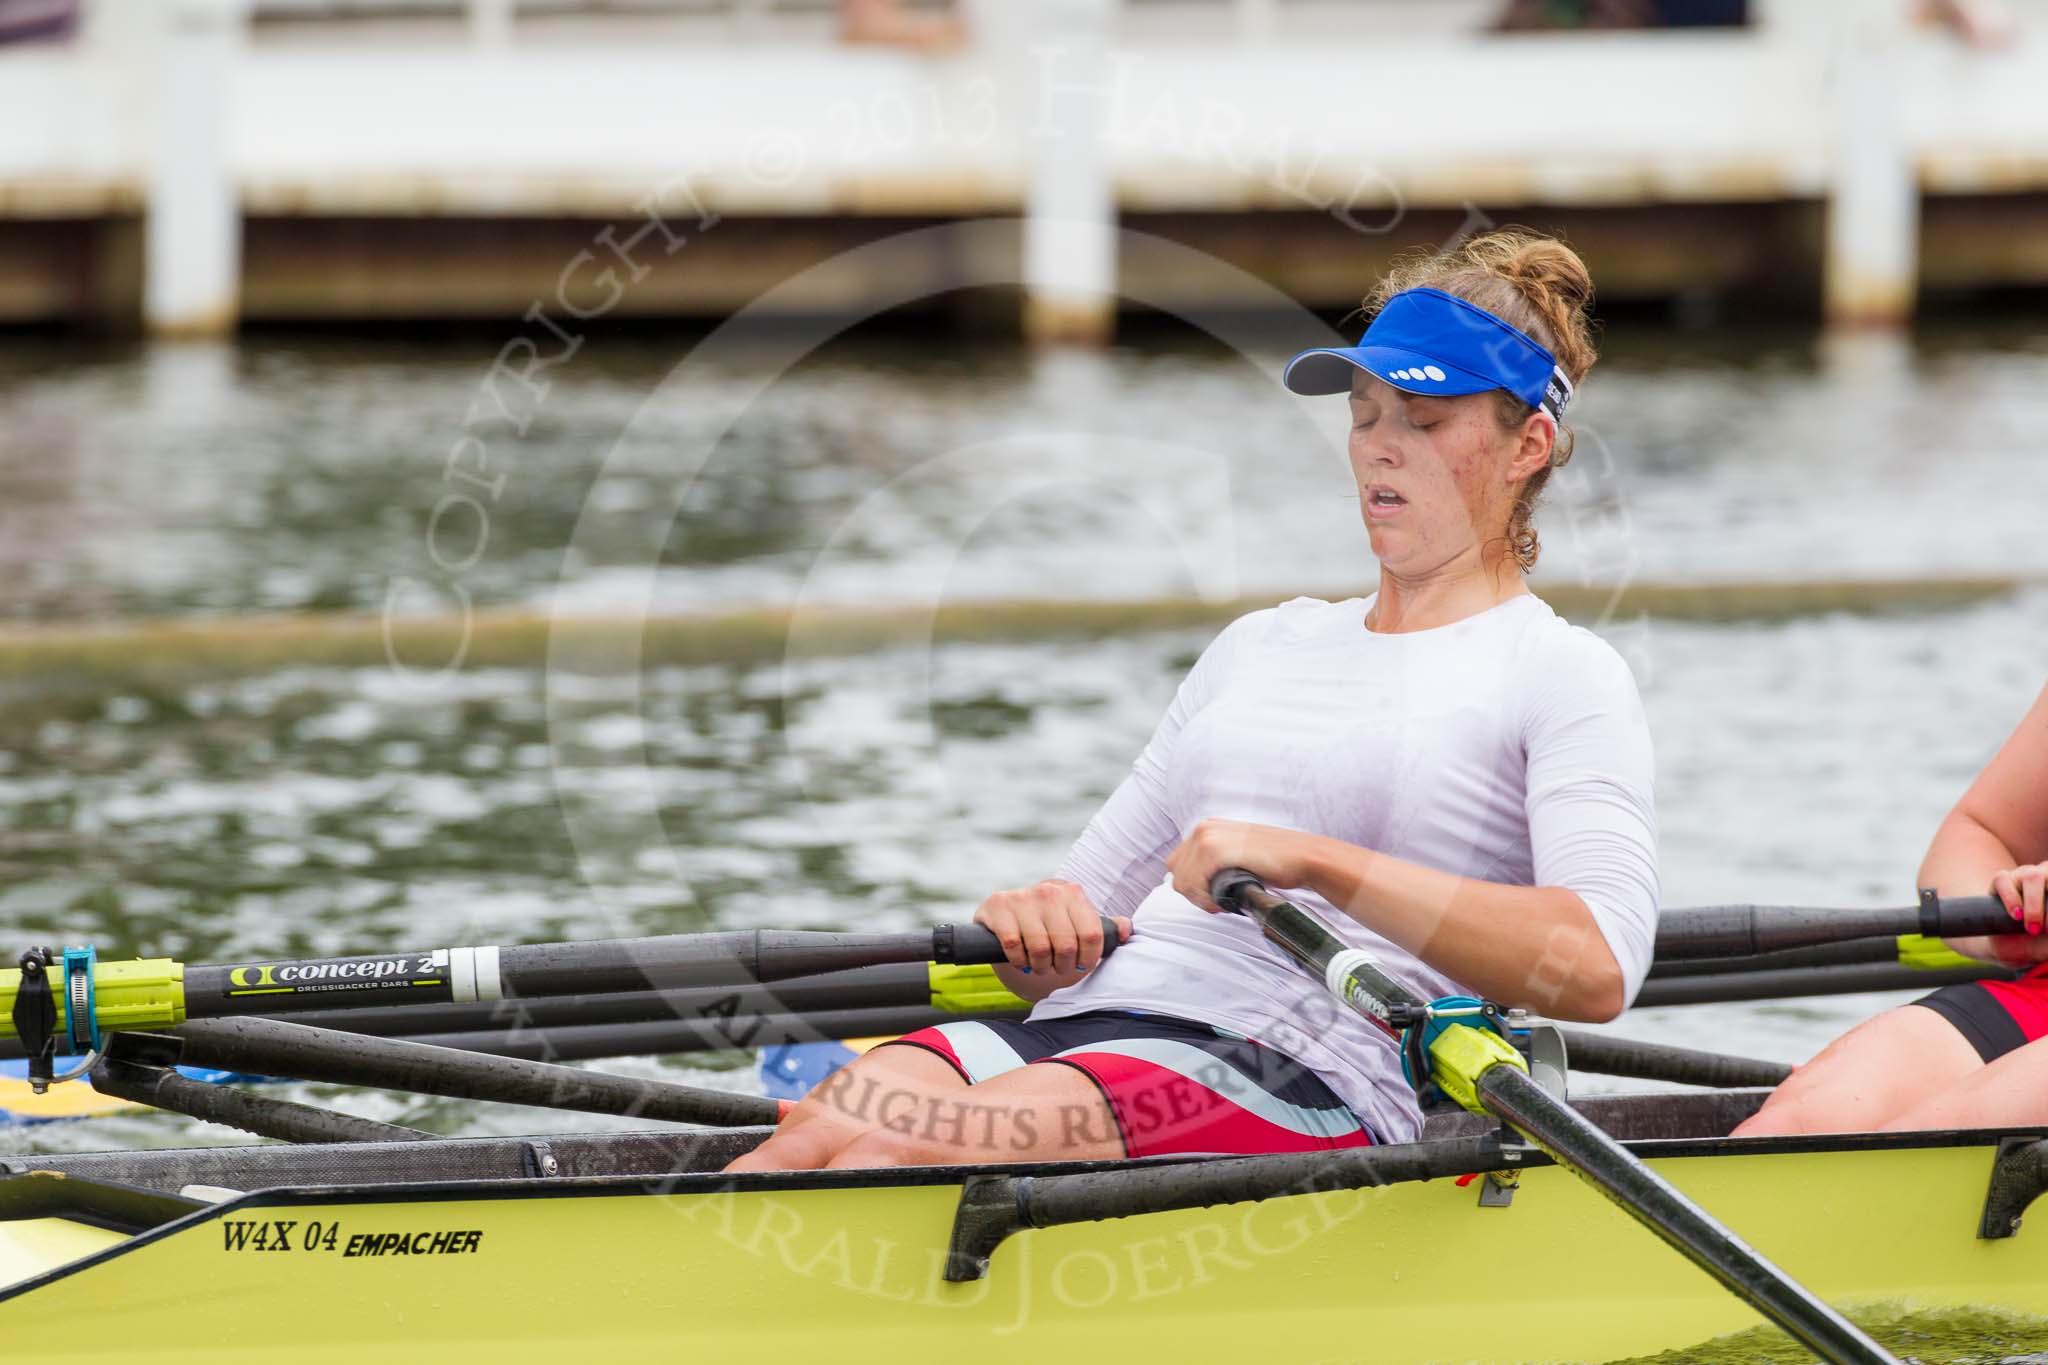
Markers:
<point>1787,1116</point>
<point>880,1147</point>
<point>1869,1076</point>
<point>866,1092</point>
<point>804,1149</point>
<point>845,1106</point>
<point>1826,1095</point>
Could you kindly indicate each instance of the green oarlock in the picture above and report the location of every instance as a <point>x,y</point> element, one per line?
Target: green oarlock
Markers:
<point>970,989</point>
<point>1930,954</point>
<point>1461,1054</point>
<point>145,993</point>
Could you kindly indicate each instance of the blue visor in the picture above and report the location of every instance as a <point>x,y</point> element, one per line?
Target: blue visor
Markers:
<point>1426,341</point>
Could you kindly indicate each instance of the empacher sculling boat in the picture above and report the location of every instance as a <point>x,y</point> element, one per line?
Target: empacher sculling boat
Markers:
<point>1487,1240</point>
<point>633,1248</point>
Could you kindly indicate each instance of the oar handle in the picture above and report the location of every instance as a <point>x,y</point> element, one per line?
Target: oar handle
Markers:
<point>1233,888</point>
<point>1280,920</point>
<point>977,945</point>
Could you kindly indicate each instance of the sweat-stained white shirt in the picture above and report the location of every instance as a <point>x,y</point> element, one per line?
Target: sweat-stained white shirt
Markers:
<point>1509,746</point>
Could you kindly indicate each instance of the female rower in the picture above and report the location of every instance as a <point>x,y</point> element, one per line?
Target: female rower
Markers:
<point>1965,1056</point>
<point>1444,772</point>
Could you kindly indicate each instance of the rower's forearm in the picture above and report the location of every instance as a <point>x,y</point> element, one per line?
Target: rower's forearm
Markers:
<point>1963,857</point>
<point>1961,862</point>
<point>1533,946</point>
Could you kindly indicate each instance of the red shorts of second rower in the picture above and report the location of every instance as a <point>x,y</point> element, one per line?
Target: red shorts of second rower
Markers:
<point>1173,1086</point>
<point>1996,1016</point>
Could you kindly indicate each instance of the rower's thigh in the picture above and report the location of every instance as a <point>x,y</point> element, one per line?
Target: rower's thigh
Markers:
<point>1881,1068</point>
<point>2009,1092</point>
<point>1046,1112</point>
<point>870,1090</point>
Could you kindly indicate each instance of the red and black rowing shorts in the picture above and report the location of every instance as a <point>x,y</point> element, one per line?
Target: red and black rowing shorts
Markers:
<point>1996,1016</point>
<point>1174,1087</point>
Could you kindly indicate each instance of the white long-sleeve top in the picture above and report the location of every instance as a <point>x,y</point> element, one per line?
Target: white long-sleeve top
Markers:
<point>1509,747</point>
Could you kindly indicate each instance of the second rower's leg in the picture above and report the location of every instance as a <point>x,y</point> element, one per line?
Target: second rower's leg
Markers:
<point>2010,1092</point>
<point>1046,1112</point>
<point>873,1089</point>
<point>1879,1069</point>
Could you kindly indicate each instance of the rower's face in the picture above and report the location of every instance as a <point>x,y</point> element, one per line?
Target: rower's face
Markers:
<point>1436,476</point>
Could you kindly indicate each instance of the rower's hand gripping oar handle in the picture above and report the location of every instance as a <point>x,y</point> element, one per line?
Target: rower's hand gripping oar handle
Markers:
<point>1234,889</point>
<point>977,945</point>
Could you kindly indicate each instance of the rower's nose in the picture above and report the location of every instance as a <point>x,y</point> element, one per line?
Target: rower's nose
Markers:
<point>1371,450</point>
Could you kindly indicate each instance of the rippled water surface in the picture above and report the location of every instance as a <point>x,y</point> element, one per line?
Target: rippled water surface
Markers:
<point>294,473</point>
<point>315,812</point>
<point>328,810</point>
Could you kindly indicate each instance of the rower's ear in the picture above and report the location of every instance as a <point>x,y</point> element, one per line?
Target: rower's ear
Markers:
<point>1533,448</point>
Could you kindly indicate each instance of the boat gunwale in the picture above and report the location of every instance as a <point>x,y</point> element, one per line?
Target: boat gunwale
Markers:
<point>914,1177</point>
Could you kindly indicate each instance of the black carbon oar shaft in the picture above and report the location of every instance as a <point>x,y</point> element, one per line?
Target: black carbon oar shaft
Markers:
<point>1365,988</point>
<point>1580,1147</point>
<point>274,1047</point>
<point>1799,981</point>
<point>1745,930</point>
<point>722,961</point>
<point>1853,952</point>
<point>1573,1141</point>
<point>1608,1056</point>
<point>163,1087</point>
<point>905,985</point>
<point>589,1042</point>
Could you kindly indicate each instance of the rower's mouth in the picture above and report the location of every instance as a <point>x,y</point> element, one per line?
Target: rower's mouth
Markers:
<point>1381,499</point>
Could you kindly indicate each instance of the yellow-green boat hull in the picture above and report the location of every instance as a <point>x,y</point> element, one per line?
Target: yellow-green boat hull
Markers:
<point>847,1268</point>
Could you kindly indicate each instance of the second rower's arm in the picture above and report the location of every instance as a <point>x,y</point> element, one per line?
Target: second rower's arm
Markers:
<point>1998,829</point>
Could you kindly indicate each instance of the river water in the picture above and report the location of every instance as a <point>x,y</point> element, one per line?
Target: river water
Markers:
<point>353,809</point>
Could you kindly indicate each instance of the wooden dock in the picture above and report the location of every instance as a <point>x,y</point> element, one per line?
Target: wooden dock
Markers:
<point>188,164</point>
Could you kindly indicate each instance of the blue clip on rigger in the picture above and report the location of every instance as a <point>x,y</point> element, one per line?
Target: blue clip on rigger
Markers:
<point>81,1010</point>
